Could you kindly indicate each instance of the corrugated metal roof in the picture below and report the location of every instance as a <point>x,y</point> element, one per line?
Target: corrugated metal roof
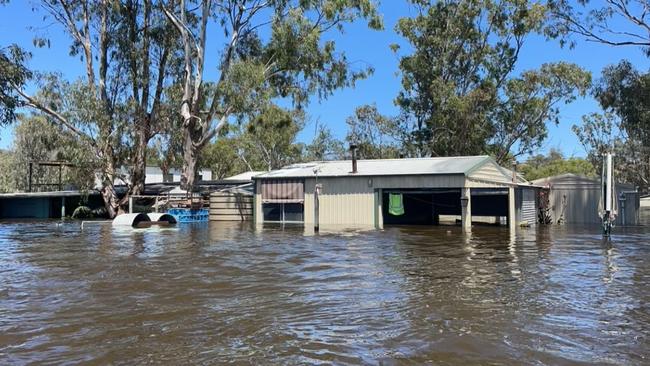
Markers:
<point>47,194</point>
<point>245,176</point>
<point>576,180</point>
<point>378,167</point>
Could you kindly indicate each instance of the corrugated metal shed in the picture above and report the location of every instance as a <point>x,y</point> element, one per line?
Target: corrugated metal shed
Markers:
<point>645,201</point>
<point>333,195</point>
<point>574,199</point>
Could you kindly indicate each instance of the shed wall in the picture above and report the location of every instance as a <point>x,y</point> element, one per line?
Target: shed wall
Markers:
<point>582,205</point>
<point>22,208</point>
<point>230,207</point>
<point>343,201</point>
<point>351,200</point>
<point>491,173</point>
<point>630,215</point>
<point>526,206</point>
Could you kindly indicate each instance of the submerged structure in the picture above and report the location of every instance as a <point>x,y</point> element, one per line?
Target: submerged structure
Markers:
<point>575,199</point>
<point>376,193</point>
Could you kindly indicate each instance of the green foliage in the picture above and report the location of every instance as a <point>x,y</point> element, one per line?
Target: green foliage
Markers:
<point>37,139</point>
<point>541,166</point>
<point>7,184</point>
<point>82,212</point>
<point>267,142</point>
<point>612,22</point>
<point>530,102</point>
<point>459,94</point>
<point>373,133</point>
<point>275,51</point>
<point>13,74</point>
<point>324,146</point>
<point>624,127</point>
<point>625,92</point>
<point>222,158</point>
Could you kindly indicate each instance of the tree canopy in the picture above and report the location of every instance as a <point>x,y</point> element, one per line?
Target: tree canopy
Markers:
<point>624,126</point>
<point>554,163</point>
<point>460,95</point>
<point>294,61</point>
<point>13,74</point>
<point>611,22</point>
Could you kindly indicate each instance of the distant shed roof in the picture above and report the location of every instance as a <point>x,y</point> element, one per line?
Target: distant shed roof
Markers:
<point>576,181</point>
<point>383,167</point>
<point>49,194</point>
<point>245,176</point>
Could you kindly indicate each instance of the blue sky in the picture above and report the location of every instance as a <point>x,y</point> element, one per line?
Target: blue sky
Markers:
<point>362,46</point>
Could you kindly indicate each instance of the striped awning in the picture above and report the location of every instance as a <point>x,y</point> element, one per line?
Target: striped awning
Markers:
<point>283,191</point>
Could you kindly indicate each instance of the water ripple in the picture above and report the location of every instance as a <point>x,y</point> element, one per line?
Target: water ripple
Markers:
<point>231,293</point>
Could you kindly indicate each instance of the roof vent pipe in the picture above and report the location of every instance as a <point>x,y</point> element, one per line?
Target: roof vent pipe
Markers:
<point>353,151</point>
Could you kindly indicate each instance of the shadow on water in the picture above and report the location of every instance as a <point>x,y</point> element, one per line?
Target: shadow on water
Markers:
<point>232,292</point>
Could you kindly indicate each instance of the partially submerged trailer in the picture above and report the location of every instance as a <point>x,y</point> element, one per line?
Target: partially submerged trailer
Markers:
<point>375,193</point>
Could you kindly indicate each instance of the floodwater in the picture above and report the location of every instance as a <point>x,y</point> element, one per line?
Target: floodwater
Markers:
<point>227,293</point>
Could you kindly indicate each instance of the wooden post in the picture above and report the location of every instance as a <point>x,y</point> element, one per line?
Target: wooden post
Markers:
<point>30,175</point>
<point>466,209</point>
<point>130,204</point>
<point>60,181</point>
<point>512,220</point>
<point>317,189</point>
<point>380,208</point>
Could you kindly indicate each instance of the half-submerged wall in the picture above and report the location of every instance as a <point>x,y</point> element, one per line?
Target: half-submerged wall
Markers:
<point>226,206</point>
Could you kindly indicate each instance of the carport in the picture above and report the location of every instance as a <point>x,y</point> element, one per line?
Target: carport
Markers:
<point>426,206</point>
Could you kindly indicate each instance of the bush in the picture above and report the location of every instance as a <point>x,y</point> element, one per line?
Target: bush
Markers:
<point>100,212</point>
<point>82,212</point>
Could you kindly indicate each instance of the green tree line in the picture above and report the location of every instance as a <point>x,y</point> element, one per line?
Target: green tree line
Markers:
<point>145,96</point>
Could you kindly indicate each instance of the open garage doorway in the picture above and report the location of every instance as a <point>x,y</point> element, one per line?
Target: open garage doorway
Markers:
<point>443,206</point>
<point>420,206</point>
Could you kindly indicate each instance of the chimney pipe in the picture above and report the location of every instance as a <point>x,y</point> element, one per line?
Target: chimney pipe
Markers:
<point>514,172</point>
<point>353,151</point>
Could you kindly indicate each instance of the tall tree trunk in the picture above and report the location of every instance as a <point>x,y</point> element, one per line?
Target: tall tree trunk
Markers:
<point>138,173</point>
<point>112,203</point>
<point>190,158</point>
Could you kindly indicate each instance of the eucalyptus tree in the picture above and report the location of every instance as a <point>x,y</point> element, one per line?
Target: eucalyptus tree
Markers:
<point>269,140</point>
<point>119,103</point>
<point>273,49</point>
<point>13,71</point>
<point>86,107</point>
<point>555,163</point>
<point>623,93</point>
<point>373,133</point>
<point>37,139</point>
<point>146,49</point>
<point>460,93</point>
<point>266,142</point>
<point>611,22</point>
<point>324,146</point>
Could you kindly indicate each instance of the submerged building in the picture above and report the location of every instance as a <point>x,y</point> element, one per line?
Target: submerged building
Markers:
<point>376,193</point>
<point>575,199</point>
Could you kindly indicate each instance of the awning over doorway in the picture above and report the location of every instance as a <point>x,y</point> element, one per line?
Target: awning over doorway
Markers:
<point>283,191</point>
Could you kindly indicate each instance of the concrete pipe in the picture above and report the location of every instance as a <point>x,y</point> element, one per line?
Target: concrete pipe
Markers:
<point>162,218</point>
<point>131,219</point>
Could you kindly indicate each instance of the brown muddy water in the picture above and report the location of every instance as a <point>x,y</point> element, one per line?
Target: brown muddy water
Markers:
<point>227,293</point>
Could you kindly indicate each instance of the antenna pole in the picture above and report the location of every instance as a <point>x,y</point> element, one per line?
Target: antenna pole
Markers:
<point>608,216</point>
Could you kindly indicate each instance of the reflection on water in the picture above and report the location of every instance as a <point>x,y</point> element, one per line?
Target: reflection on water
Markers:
<point>229,293</point>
